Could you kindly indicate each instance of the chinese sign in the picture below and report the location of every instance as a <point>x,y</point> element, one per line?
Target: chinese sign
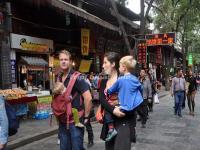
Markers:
<point>190,60</point>
<point>85,41</point>
<point>158,55</point>
<point>29,43</point>
<point>160,39</point>
<point>13,72</point>
<point>142,52</point>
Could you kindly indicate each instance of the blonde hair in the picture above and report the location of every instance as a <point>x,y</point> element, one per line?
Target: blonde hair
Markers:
<point>129,62</point>
<point>58,88</point>
<point>64,51</point>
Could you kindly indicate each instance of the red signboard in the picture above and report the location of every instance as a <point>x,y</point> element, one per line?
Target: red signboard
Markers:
<point>160,39</point>
<point>158,55</point>
<point>142,52</point>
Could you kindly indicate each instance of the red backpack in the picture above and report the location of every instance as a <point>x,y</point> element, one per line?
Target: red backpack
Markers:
<point>62,104</point>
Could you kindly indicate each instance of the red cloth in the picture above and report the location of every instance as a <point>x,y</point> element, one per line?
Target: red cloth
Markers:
<point>23,100</point>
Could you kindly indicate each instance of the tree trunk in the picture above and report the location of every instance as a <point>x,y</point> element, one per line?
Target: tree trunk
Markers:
<point>142,21</point>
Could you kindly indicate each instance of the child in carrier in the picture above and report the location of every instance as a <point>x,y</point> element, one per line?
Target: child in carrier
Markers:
<point>129,90</point>
<point>60,89</point>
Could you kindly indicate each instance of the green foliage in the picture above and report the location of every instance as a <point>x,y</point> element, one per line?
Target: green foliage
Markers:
<point>182,17</point>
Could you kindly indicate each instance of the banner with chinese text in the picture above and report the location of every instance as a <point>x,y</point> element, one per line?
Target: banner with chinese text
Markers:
<point>85,41</point>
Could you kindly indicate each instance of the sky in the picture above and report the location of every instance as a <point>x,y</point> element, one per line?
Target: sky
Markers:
<point>134,5</point>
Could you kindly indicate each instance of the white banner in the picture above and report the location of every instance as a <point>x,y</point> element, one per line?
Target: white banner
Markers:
<point>29,43</point>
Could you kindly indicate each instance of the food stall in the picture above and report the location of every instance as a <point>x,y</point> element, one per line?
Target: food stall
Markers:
<point>31,98</point>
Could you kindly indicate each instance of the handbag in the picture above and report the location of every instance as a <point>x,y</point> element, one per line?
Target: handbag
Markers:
<point>155,98</point>
<point>100,114</point>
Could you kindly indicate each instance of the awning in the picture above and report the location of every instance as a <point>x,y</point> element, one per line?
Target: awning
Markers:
<point>34,61</point>
<point>84,14</point>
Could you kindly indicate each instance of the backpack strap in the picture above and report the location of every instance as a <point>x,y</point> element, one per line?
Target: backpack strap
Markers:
<point>69,88</point>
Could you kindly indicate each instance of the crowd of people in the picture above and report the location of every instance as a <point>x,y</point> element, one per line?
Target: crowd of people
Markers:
<point>124,98</point>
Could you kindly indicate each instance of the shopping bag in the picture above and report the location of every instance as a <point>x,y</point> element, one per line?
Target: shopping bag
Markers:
<point>155,98</point>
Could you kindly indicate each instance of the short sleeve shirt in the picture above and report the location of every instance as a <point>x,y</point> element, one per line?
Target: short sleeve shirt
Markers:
<point>80,87</point>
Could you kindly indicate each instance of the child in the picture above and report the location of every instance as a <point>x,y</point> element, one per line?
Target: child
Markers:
<point>59,88</point>
<point>129,90</point>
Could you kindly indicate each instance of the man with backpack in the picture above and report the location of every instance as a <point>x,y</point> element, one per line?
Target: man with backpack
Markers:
<point>3,124</point>
<point>77,96</point>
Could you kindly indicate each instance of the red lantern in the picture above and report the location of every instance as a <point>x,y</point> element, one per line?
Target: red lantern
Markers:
<point>1,18</point>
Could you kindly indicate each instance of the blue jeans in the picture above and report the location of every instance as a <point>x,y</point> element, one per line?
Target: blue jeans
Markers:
<point>179,97</point>
<point>72,138</point>
<point>3,122</point>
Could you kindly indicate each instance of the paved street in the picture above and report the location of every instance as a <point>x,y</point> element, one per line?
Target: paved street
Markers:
<point>164,131</point>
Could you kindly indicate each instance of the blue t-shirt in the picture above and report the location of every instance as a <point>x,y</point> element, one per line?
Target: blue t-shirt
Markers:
<point>129,90</point>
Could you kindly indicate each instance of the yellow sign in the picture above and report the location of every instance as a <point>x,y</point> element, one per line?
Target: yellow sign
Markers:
<point>85,66</point>
<point>33,46</point>
<point>56,62</point>
<point>85,41</point>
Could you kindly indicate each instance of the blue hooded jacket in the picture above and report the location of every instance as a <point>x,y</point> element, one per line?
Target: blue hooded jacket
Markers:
<point>129,91</point>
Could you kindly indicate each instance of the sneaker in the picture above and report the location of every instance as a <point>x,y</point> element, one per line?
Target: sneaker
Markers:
<point>80,125</point>
<point>111,134</point>
<point>90,144</point>
<point>180,115</point>
<point>143,126</point>
<point>58,142</point>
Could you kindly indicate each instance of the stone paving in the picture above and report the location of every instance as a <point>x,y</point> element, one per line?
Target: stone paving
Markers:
<point>164,131</point>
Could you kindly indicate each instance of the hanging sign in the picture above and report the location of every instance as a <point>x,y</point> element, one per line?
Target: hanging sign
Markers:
<point>160,39</point>
<point>85,41</point>
<point>142,52</point>
<point>85,66</point>
<point>190,59</point>
<point>158,55</point>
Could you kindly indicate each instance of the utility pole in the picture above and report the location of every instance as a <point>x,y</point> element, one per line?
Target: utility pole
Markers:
<point>5,63</point>
<point>121,25</point>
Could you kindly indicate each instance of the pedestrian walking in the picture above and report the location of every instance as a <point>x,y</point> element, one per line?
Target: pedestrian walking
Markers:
<point>71,137</point>
<point>191,92</point>
<point>177,90</point>
<point>198,81</point>
<point>3,124</point>
<point>123,123</point>
<point>147,96</point>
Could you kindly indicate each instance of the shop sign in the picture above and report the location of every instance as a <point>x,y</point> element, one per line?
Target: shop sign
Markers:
<point>190,60</point>
<point>85,41</point>
<point>13,71</point>
<point>85,66</point>
<point>29,43</point>
<point>160,39</point>
<point>142,52</point>
<point>158,55</point>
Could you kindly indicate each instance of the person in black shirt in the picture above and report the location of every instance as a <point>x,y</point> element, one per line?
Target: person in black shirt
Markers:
<point>191,92</point>
<point>72,138</point>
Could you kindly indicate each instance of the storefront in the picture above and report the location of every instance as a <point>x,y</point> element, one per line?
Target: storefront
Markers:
<point>29,59</point>
<point>31,72</point>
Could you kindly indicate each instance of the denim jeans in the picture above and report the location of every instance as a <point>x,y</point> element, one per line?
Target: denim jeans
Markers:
<point>72,138</point>
<point>179,97</point>
<point>3,122</point>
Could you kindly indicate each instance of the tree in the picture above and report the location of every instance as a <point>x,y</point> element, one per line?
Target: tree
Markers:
<point>180,16</point>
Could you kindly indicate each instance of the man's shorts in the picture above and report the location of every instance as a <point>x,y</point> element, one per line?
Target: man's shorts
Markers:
<point>3,122</point>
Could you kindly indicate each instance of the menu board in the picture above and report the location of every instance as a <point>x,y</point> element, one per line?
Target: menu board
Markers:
<point>142,52</point>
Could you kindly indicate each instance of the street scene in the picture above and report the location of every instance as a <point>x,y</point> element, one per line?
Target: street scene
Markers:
<point>99,74</point>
